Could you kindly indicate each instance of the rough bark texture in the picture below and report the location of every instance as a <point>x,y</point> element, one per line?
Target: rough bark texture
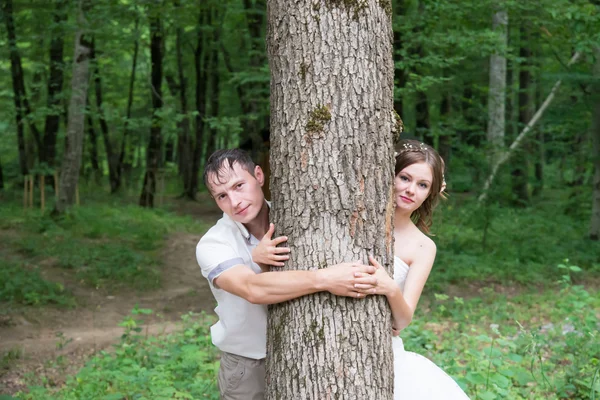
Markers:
<point>154,145</point>
<point>497,91</point>
<point>69,172</point>
<point>332,169</point>
<point>55,85</point>
<point>595,220</point>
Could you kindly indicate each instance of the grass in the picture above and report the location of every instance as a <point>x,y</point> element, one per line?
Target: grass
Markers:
<point>536,339</point>
<point>104,245</point>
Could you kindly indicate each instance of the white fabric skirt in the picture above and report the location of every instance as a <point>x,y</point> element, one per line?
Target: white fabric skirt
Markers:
<point>417,378</point>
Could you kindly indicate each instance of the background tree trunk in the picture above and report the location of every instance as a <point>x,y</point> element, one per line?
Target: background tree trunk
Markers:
<point>155,143</point>
<point>1,177</point>
<point>69,172</point>
<point>595,220</point>
<point>520,165</point>
<point>497,91</point>
<point>55,85</point>
<point>17,82</point>
<point>200,60</point>
<point>332,170</point>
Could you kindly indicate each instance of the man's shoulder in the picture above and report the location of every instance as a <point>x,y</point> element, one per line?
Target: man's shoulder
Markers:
<point>222,232</point>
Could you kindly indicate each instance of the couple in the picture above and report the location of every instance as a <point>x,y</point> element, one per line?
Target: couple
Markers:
<point>229,255</point>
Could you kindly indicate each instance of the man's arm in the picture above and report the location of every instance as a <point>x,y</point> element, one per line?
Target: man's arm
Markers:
<point>275,287</point>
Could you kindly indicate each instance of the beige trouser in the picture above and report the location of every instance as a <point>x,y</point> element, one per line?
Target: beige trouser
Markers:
<point>241,378</point>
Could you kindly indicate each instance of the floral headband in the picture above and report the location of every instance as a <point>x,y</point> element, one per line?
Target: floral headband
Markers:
<point>420,147</point>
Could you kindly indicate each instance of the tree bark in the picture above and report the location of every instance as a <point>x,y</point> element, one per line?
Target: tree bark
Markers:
<point>595,219</point>
<point>332,170</point>
<point>155,143</point>
<point>215,80</point>
<point>69,174</point>
<point>200,61</point>
<point>520,165</point>
<point>497,91</point>
<point>55,85</point>
<point>17,82</point>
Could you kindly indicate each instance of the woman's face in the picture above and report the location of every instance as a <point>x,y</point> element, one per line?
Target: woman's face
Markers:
<point>412,185</point>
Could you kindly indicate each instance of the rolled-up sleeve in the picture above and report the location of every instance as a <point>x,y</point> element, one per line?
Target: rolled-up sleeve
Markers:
<point>214,258</point>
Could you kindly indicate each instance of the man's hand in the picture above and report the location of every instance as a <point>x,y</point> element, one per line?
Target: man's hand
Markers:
<point>267,252</point>
<point>342,279</point>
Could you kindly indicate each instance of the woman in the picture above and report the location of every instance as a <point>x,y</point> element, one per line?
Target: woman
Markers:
<point>418,185</point>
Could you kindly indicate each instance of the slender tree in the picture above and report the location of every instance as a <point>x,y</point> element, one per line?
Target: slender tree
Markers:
<point>332,169</point>
<point>201,54</point>
<point>497,92</point>
<point>69,173</point>
<point>1,177</point>
<point>595,219</point>
<point>155,143</point>
<point>18,83</point>
<point>520,164</point>
<point>55,85</point>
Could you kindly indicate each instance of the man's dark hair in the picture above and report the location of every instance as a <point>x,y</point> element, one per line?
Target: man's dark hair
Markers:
<point>221,161</point>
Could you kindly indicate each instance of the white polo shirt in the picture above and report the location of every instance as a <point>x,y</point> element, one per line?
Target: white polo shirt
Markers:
<point>242,326</point>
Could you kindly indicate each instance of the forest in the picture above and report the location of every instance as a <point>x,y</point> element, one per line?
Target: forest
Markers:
<point>110,109</point>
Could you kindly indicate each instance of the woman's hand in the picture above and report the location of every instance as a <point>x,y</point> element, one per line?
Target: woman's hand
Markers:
<point>267,252</point>
<point>385,284</point>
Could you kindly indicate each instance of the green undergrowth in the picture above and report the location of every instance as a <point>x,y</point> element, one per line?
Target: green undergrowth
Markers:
<point>24,285</point>
<point>529,346</point>
<point>510,245</point>
<point>104,244</point>
<point>181,365</point>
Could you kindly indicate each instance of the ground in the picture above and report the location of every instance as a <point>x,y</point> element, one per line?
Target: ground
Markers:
<point>50,343</point>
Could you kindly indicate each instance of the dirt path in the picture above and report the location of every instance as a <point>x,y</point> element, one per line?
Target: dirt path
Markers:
<point>52,343</point>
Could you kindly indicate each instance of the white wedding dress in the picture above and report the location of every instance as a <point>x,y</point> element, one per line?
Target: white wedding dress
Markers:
<point>415,377</point>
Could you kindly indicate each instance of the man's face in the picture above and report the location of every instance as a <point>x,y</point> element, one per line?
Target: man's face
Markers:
<point>237,193</point>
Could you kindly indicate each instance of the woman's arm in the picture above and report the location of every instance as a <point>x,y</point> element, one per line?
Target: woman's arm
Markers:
<point>403,305</point>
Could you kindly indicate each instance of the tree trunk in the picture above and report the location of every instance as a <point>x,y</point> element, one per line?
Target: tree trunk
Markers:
<point>520,165</point>
<point>200,60</point>
<point>1,177</point>
<point>69,173</point>
<point>155,143</point>
<point>111,158</point>
<point>125,162</point>
<point>540,147</point>
<point>215,81</point>
<point>179,88</point>
<point>400,74</point>
<point>55,85</point>
<point>93,143</point>
<point>255,11</point>
<point>595,220</point>
<point>444,144</point>
<point>332,169</point>
<point>497,91</point>
<point>17,81</point>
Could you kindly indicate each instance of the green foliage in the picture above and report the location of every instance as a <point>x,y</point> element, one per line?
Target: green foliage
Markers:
<point>181,365</point>
<point>102,243</point>
<point>24,285</point>
<point>530,345</point>
<point>493,243</point>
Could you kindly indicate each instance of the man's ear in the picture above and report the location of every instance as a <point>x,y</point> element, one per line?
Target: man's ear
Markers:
<point>259,175</point>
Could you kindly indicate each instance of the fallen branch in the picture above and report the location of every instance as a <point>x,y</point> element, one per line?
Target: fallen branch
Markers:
<point>507,154</point>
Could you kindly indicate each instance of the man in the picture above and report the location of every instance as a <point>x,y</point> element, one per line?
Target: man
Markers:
<point>225,256</point>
